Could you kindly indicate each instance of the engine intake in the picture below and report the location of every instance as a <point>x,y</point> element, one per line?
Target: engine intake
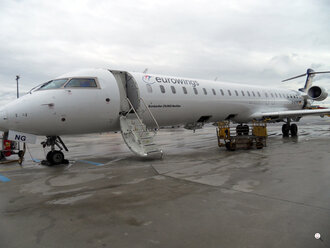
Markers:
<point>317,93</point>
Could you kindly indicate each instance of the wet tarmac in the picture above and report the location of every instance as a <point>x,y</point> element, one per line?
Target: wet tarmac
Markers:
<point>198,195</point>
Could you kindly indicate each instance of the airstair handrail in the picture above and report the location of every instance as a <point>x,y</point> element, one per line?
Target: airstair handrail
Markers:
<point>152,116</point>
<point>132,108</point>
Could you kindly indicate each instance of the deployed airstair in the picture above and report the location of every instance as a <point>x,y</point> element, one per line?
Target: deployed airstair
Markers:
<point>136,135</point>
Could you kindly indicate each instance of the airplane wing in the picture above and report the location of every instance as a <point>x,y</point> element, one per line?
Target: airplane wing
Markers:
<point>290,113</point>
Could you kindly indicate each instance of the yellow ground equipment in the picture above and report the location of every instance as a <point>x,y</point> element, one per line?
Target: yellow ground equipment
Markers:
<point>242,138</point>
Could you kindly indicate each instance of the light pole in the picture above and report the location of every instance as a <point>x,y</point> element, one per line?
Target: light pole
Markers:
<point>17,77</point>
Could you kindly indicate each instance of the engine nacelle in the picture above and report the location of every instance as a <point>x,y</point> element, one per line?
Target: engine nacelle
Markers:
<point>317,93</point>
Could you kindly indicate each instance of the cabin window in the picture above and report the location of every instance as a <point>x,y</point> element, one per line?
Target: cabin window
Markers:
<point>184,90</point>
<point>248,93</point>
<point>149,88</point>
<point>195,90</point>
<point>222,93</point>
<point>276,95</point>
<point>253,94</point>
<point>258,93</point>
<point>236,92</point>
<point>214,93</point>
<point>173,89</point>
<point>81,82</point>
<point>243,93</point>
<point>229,92</point>
<point>266,94</point>
<point>54,84</point>
<point>205,92</point>
<point>162,88</point>
<point>272,94</point>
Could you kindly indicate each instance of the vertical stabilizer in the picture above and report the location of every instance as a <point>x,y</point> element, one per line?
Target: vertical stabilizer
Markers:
<point>310,75</point>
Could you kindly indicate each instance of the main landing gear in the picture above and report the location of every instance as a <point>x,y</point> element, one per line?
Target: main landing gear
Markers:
<point>288,128</point>
<point>54,157</point>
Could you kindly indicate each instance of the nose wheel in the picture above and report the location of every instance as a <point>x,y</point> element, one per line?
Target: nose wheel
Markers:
<point>54,157</point>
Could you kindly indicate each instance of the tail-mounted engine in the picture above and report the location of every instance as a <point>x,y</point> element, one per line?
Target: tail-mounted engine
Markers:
<point>317,93</point>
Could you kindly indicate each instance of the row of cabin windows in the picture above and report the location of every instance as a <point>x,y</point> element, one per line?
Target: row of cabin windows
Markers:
<point>254,94</point>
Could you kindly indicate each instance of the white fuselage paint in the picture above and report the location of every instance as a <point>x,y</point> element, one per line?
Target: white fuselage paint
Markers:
<point>63,111</point>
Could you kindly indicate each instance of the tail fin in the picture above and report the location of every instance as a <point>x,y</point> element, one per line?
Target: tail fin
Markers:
<point>310,75</point>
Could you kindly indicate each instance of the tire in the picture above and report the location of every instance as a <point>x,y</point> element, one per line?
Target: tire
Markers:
<point>259,145</point>
<point>285,130</point>
<point>20,154</point>
<point>55,157</point>
<point>49,156</point>
<point>246,130</point>
<point>232,146</point>
<point>294,130</point>
<point>239,130</point>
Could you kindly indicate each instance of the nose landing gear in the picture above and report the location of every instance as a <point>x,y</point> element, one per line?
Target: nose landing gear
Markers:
<point>54,157</point>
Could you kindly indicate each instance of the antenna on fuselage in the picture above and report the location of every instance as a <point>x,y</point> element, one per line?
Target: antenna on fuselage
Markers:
<point>145,70</point>
<point>310,75</point>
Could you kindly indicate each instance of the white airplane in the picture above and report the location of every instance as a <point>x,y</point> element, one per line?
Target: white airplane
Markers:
<point>101,100</point>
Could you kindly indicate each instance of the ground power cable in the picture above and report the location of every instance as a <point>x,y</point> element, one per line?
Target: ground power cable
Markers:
<point>33,159</point>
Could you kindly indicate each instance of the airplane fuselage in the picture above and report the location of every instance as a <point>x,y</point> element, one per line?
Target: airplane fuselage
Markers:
<point>172,101</point>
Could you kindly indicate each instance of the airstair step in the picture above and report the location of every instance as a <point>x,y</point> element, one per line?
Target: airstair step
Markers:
<point>151,144</point>
<point>137,137</point>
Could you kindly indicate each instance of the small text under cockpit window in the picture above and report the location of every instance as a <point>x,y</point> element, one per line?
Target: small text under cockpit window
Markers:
<point>54,84</point>
<point>81,82</point>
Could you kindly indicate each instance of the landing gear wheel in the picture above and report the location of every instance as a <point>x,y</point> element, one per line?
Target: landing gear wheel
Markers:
<point>239,130</point>
<point>55,157</point>
<point>285,130</point>
<point>49,156</point>
<point>246,130</point>
<point>294,130</point>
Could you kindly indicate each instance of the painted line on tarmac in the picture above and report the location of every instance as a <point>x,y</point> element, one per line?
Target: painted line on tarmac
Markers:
<point>90,162</point>
<point>4,179</point>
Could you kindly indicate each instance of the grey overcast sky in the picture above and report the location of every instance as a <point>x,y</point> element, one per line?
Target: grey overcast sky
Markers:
<point>249,41</point>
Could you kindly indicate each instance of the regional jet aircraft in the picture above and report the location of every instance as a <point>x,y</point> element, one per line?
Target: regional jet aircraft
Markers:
<point>102,100</point>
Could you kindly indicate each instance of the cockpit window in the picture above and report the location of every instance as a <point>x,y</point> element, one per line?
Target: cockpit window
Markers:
<point>54,84</point>
<point>81,82</point>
